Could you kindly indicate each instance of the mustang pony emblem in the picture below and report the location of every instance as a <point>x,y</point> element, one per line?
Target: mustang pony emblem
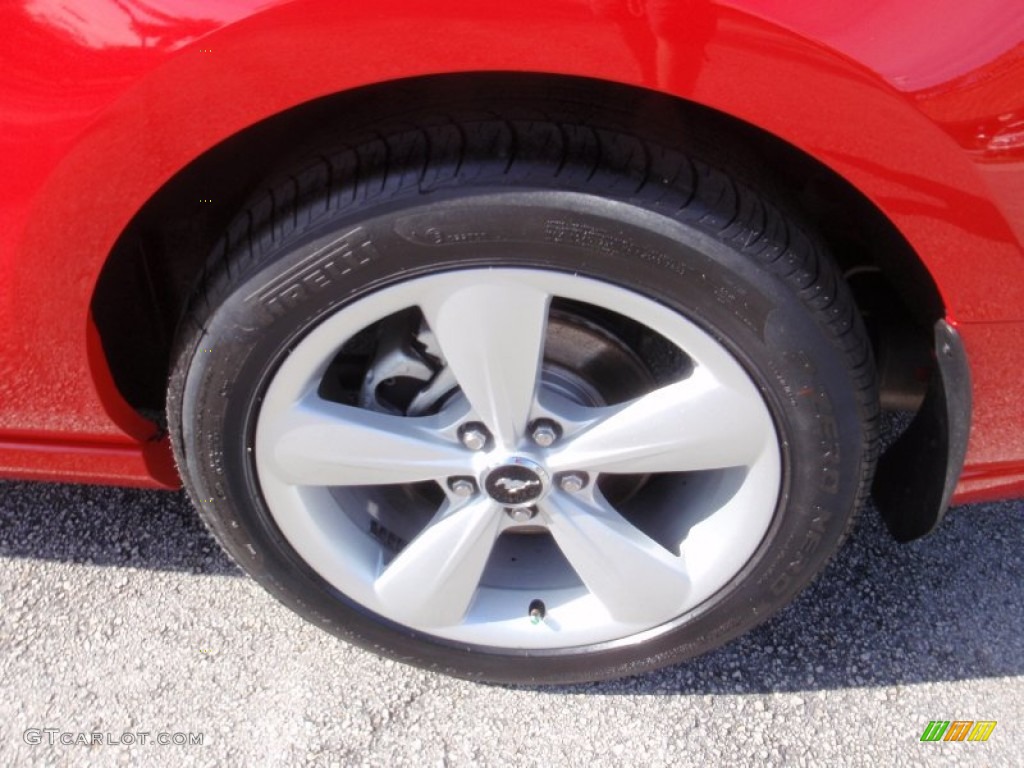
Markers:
<point>515,486</point>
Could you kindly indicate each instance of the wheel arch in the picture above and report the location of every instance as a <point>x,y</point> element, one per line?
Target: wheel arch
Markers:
<point>162,251</point>
<point>145,281</point>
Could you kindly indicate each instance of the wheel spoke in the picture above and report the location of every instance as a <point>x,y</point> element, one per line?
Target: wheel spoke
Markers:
<point>691,425</point>
<point>317,442</point>
<point>634,577</point>
<point>434,579</point>
<point>491,334</point>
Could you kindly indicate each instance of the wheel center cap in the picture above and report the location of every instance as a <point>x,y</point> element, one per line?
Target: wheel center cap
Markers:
<point>516,482</point>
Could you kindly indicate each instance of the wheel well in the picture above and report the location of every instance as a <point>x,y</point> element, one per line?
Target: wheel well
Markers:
<point>144,285</point>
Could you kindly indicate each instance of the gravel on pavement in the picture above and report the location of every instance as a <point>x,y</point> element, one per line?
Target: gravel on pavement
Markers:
<point>120,617</point>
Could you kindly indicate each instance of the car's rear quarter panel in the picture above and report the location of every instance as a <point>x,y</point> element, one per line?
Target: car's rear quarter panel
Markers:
<point>919,106</point>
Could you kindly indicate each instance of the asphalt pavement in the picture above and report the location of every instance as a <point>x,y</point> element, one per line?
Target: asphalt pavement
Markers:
<point>121,623</point>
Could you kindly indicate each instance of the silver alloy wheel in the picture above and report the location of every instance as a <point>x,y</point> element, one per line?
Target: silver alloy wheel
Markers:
<point>705,445</point>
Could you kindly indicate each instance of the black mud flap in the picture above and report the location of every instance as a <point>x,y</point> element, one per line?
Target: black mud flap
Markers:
<point>915,478</point>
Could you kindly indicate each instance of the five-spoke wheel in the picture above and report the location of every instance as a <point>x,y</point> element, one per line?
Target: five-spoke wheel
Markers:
<point>513,485</point>
<point>577,414</point>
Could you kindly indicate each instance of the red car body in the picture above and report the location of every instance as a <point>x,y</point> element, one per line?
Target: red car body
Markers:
<point>918,106</point>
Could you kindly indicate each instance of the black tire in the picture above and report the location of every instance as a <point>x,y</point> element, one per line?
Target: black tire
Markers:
<point>570,198</point>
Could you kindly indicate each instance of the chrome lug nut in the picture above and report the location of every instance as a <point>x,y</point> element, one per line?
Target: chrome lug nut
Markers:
<point>474,436</point>
<point>573,482</point>
<point>521,514</point>
<point>462,487</point>
<point>544,433</point>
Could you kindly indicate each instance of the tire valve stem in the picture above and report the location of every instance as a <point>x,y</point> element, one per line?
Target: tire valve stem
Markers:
<point>537,611</point>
